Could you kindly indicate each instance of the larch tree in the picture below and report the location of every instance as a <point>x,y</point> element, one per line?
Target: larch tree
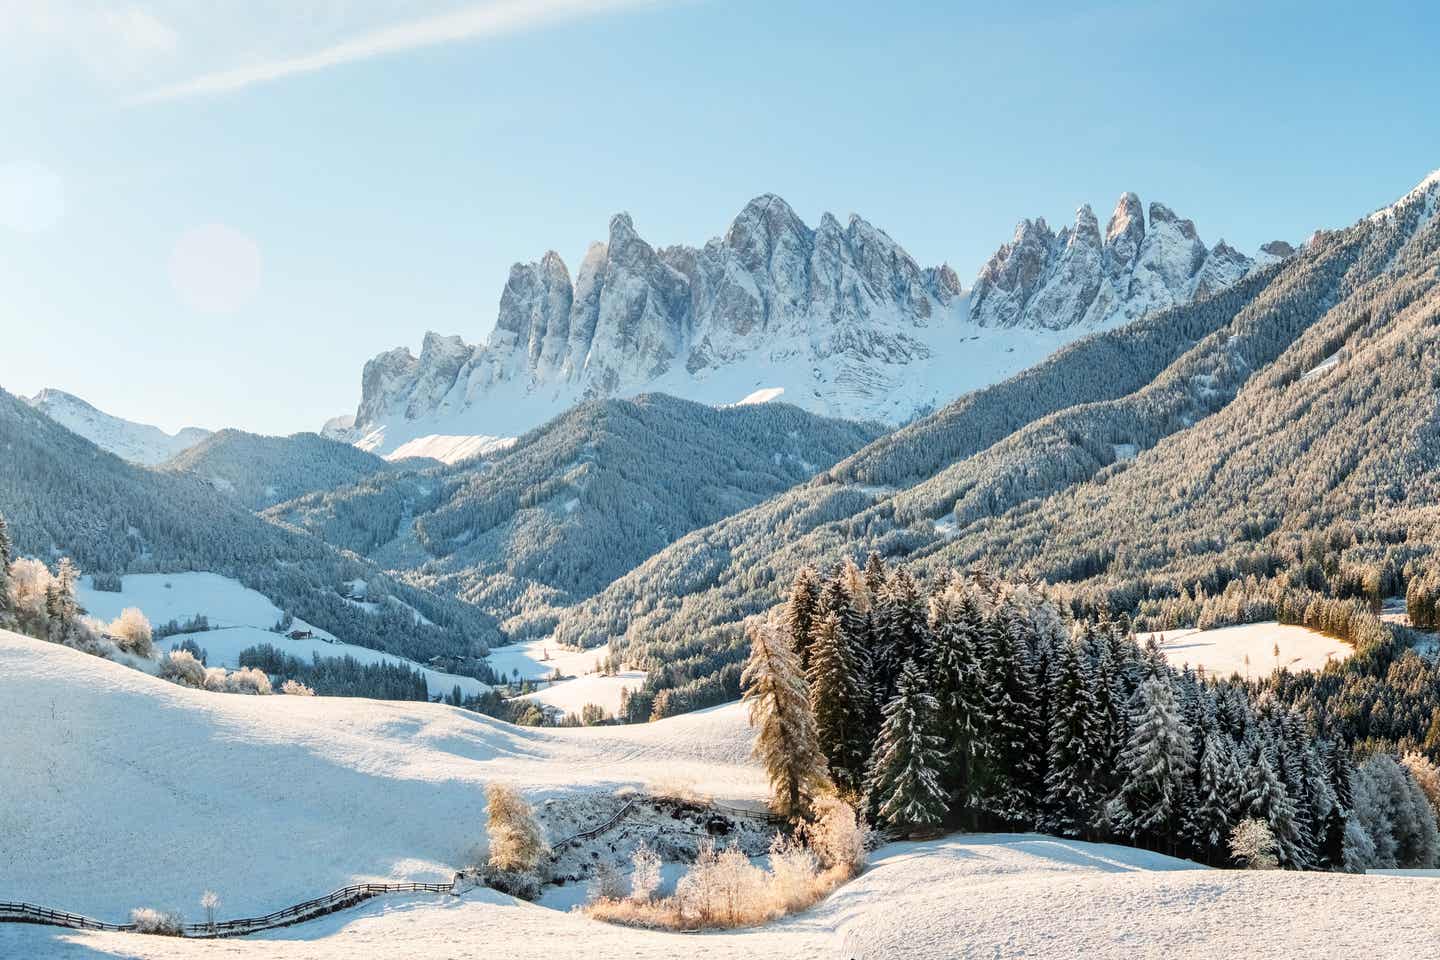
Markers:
<point>905,784</point>
<point>786,743</point>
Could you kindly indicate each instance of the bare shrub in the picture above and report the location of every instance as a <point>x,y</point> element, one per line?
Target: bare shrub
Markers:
<point>180,666</point>
<point>295,688</point>
<point>165,923</point>
<point>1253,845</point>
<point>517,842</point>
<point>606,883</point>
<point>839,836</point>
<point>645,873</point>
<point>132,632</point>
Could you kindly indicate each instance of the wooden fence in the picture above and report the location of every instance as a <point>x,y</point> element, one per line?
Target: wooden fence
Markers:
<point>298,913</point>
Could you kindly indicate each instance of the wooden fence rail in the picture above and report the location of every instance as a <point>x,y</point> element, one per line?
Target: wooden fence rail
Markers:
<point>308,910</point>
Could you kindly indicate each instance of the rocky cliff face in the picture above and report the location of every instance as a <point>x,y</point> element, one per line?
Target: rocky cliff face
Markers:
<point>1076,278</point>
<point>836,318</point>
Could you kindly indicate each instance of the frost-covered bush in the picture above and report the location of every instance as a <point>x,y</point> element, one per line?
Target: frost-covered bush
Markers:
<point>839,836</point>
<point>1426,776</point>
<point>165,923</point>
<point>645,873</point>
<point>295,688</point>
<point>722,889</point>
<point>132,633</point>
<point>517,842</point>
<point>1253,845</point>
<point>794,869</point>
<point>181,666</point>
<point>606,882</point>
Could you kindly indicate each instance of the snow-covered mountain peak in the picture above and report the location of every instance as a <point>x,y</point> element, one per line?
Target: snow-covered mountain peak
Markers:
<point>837,318</point>
<point>1077,279</point>
<point>137,442</point>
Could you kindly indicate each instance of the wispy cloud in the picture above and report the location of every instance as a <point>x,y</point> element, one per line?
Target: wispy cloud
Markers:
<point>489,19</point>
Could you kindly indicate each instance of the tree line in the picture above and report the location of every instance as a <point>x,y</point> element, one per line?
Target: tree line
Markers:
<point>978,703</point>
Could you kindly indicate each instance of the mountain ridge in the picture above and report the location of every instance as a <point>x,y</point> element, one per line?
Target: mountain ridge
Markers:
<point>839,320</point>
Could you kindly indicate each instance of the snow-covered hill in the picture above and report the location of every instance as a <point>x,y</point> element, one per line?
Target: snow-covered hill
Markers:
<point>837,319</point>
<point>120,789</point>
<point>240,618</point>
<point>136,442</point>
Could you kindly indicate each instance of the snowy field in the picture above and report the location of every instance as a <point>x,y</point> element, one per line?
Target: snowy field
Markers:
<point>571,696</point>
<point>980,897</point>
<point>1222,651</point>
<point>239,618</point>
<point>538,659</point>
<point>120,789</point>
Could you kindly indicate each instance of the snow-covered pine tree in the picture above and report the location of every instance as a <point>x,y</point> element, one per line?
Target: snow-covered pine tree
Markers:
<point>780,708</point>
<point>1156,763</point>
<point>1340,773</point>
<point>801,612</point>
<point>905,772</point>
<point>1011,787</point>
<point>1265,798</point>
<point>1072,782</point>
<point>955,680</point>
<point>1219,794</point>
<point>840,701</point>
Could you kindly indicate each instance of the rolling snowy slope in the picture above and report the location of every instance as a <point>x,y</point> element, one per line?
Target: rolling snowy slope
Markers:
<point>963,898</point>
<point>122,790</point>
<point>239,618</point>
<point>136,442</point>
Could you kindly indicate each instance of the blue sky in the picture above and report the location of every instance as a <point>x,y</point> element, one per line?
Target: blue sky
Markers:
<point>370,170</point>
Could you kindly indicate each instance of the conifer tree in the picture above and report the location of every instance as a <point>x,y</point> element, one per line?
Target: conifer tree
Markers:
<point>801,612</point>
<point>905,772</point>
<point>1156,763</point>
<point>956,681</point>
<point>1219,792</point>
<point>780,707</point>
<point>840,703</point>
<point>1265,799</point>
<point>1011,788</point>
<point>1072,778</point>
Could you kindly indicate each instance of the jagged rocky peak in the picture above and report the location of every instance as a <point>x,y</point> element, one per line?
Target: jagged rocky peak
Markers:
<point>1076,278</point>
<point>770,290</point>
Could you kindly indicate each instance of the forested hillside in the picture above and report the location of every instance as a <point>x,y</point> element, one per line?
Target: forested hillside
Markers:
<point>1285,425</point>
<point>261,471</point>
<point>578,502</point>
<point>63,496</point>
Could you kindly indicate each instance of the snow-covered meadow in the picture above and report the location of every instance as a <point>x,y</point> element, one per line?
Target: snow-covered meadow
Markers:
<point>1224,650</point>
<point>971,897</point>
<point>122,790</point>
<point>239,618</point>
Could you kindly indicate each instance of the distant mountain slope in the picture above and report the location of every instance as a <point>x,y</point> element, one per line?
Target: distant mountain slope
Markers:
<point>836,319</point>
<point>136,442</point>
<point>263,471</point>
<point>62,495</point>
<point>579,501</point>
<point>1199,444</point>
